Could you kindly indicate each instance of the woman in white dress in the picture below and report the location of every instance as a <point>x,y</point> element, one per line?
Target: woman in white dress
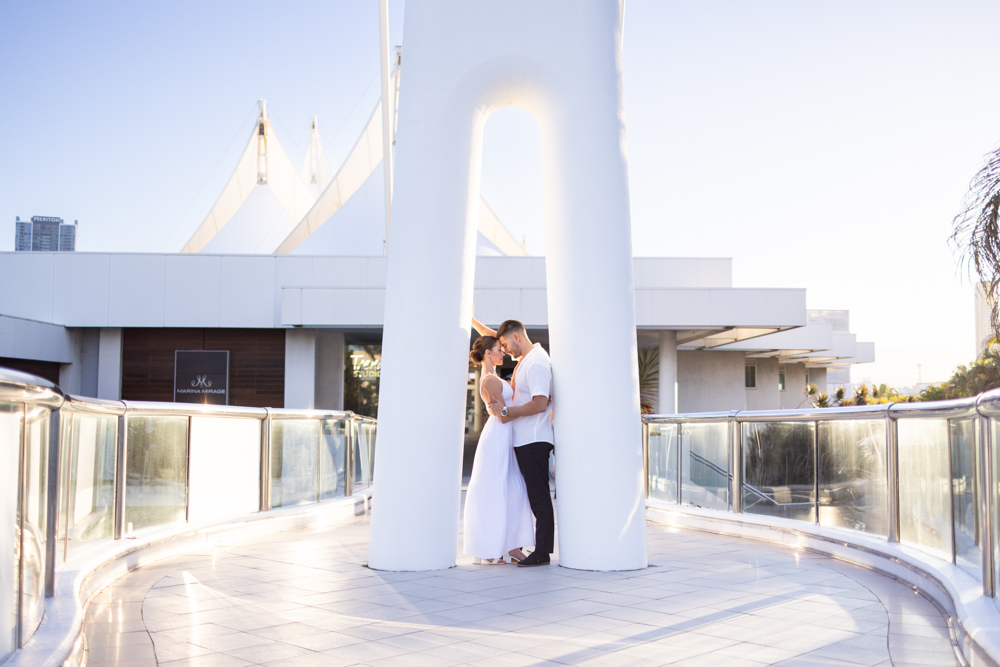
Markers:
<point>497,513</point>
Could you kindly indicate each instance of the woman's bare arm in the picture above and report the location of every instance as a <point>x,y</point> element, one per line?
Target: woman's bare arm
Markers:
<point>482,328</point>
<point>493,389</point>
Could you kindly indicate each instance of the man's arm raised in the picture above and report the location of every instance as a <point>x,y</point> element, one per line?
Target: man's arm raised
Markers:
<point>536,405</point>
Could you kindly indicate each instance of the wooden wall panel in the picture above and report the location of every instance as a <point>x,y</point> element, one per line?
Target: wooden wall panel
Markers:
<point>45,369</point>
<point>256,363</point>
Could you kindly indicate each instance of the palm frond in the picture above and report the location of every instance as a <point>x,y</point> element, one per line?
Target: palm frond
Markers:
<point>976,232</point>
<point>649,376</point>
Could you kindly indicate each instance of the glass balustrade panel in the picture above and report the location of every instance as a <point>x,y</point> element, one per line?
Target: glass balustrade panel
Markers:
<point>87,496</point>
<point>965,496</point>
<point>662,462</point>
<point>333,449</point>
<point>705,465</point>
<point>11,415</point>
<point>995,491</point>
<point>33,535</point>
<point>852,475</point>
<point>372,434</point>
<point>156,469</point>
<point>361,454</point>
<point>924,494</point>
<point>295,445</point>
<point>779,473</point>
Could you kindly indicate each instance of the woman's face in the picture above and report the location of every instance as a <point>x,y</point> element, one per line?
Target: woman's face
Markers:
<point>495,354</point>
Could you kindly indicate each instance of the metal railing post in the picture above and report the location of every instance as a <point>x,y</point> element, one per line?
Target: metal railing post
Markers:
<point>319,461</point>
<point>265,462</point>
<point>349,456</point>
<point>120,471</point>
<point>815,426</point>
<point>986,503</point>
<point>892,477</point>
<point>951,495</point>
<point>52,505</point>
<point>736,463</point>
<point>69,479</point>
<point>645,456</point>
<point>680,464</point>
<point>187,476</point>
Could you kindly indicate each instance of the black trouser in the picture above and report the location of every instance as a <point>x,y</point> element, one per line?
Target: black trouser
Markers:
<point>533,460</point>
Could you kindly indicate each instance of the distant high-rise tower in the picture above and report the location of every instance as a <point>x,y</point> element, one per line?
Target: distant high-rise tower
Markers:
<point>44,234</point>
<point>67,237</point>
<point>22,235</point>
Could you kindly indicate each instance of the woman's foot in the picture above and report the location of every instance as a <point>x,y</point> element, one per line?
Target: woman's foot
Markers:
<point>516,555</point>
<point>488,561</point>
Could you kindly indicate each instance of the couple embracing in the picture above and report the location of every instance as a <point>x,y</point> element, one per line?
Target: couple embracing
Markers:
<point>510,474</point>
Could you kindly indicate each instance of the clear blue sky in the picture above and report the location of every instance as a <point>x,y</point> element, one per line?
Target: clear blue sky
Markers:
<point>824,145</point>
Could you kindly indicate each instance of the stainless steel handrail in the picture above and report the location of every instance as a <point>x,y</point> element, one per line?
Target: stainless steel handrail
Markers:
<point>192,410</point>
<point>18,387</point>
<point>690,417</point>
<point>987,404</point>
<point>98,406</point>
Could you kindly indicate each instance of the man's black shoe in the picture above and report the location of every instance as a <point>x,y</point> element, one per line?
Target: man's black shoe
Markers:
<point>534,560</point>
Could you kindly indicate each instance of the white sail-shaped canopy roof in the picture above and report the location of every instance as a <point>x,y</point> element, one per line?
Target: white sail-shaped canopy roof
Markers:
<point>364,157</point>
<point>263,162</point>
<point>347,230</point>
<point>315,168</point>
<point>269,207</point>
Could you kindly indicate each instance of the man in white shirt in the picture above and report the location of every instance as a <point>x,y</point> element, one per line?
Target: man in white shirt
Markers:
<point>533,436</point>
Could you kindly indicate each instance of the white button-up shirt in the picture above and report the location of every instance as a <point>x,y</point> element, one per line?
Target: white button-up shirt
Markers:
<point>533,378</point>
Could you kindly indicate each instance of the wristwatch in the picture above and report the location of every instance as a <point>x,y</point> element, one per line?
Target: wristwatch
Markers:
<point>503,412</point>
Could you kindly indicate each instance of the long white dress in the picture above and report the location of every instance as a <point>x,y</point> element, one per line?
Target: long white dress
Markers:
<point>497,513</point>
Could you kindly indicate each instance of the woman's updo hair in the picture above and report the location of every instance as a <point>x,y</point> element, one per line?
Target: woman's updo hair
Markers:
<point>482,345</point>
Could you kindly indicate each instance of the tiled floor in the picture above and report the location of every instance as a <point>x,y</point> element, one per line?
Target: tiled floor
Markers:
<point>305,598</point>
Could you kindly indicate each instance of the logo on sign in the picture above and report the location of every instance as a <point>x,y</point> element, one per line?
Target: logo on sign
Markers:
<point>201,381</point>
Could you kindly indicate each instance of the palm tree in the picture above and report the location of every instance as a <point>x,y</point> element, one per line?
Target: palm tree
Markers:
<point>649,379</point>
<point>976,232</point>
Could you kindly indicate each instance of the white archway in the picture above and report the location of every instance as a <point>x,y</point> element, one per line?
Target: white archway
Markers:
<point>561,61</point>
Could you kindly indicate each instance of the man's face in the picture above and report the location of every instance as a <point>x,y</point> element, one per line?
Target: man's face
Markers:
<point>511,344</point>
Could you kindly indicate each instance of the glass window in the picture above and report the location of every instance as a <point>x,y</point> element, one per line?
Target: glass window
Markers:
<point>362,373</point>
<point>779,476</point>
<point>852,475</point>
<point>156,471</point>
<point>705,458</point>
<point>781,379</point>
<point>751,376</point>
<point>663,462</point>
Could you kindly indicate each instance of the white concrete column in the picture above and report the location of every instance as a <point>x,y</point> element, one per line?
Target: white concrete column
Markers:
<point>109,364</point>
<point>329,369</point>
<point>300,368</point>
<point>668,373</point>
<point>464,61</point>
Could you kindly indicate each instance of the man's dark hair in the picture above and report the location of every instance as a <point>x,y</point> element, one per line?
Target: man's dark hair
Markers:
<point>510,326</point>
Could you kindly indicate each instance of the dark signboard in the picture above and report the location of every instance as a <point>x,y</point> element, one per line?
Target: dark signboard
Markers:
<point>201,376</point>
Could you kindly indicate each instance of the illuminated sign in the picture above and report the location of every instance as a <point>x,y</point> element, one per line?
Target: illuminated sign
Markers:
<point>365,367</point>
<point>201,376</point>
